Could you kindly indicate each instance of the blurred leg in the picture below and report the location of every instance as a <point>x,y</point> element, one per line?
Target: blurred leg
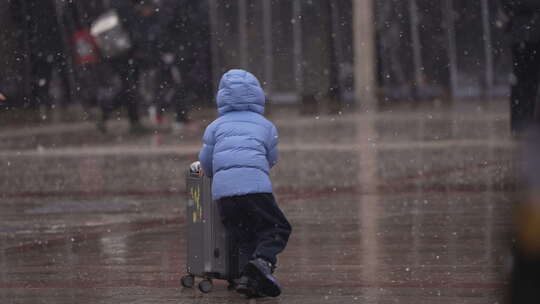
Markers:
<point>130,84</point>
<point>181,110</point>
<point>42,71</point>
<point>62,67</point>
<point>128,72</point>
<point>526,65</point>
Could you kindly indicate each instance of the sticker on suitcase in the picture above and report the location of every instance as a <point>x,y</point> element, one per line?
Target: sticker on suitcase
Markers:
<point>195,201</point>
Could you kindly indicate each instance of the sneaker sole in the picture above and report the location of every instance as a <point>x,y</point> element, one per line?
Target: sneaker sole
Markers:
<point>244,290</point>
<point>267,286</point>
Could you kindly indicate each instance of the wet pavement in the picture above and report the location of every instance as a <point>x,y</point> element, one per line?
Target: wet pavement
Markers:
<point>403,206</point>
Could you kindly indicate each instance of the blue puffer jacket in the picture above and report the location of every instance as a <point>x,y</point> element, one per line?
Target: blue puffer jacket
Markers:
<point>239,147</point>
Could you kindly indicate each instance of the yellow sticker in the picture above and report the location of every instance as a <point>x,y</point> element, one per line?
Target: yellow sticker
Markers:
<point>196,196</point>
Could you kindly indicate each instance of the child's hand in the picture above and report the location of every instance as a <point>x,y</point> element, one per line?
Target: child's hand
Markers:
<point>196,168</point>
<point>201,172</point>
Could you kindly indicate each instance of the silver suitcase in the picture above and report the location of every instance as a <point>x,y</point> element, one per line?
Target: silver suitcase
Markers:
<point>210,252</point>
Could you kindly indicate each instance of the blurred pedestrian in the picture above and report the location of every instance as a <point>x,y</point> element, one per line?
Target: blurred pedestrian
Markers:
<point>37,21</point>
<point>522,20</point>
<point>171,43</point>
<point>189,40</point>
<point>127,65</point>
<point>524,287</point>
<point>523,24</point>
<point>160,60</point>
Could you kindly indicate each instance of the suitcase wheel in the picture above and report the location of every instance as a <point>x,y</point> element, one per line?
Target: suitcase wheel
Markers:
<point>188,281</point>
<point>205,286</point>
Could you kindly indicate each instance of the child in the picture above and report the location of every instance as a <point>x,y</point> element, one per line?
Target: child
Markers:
<point>239,148</point>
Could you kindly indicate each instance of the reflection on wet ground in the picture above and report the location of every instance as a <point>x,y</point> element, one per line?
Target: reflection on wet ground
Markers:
<point>402,206</point>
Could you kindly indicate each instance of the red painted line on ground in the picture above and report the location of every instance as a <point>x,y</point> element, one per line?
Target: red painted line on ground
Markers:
<point>400,284</point>
<point>446,171</point>
<point>291,194</point>
<point>88,284</point>
<point>91,194</point>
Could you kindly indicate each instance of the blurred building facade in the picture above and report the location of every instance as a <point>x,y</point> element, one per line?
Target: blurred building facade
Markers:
<point>303,51</point>
<point>424,48</point>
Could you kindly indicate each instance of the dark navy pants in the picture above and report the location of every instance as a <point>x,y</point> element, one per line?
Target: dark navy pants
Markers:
<point>257,226</point>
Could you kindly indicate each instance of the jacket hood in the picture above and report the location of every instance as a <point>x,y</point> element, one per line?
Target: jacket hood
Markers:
<point>240,90</point>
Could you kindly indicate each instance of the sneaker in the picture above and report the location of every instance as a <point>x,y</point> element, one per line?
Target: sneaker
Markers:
<point>260,272</point>
<point>254,294</point>
<point>247,287</point>
<point>243,286</point>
